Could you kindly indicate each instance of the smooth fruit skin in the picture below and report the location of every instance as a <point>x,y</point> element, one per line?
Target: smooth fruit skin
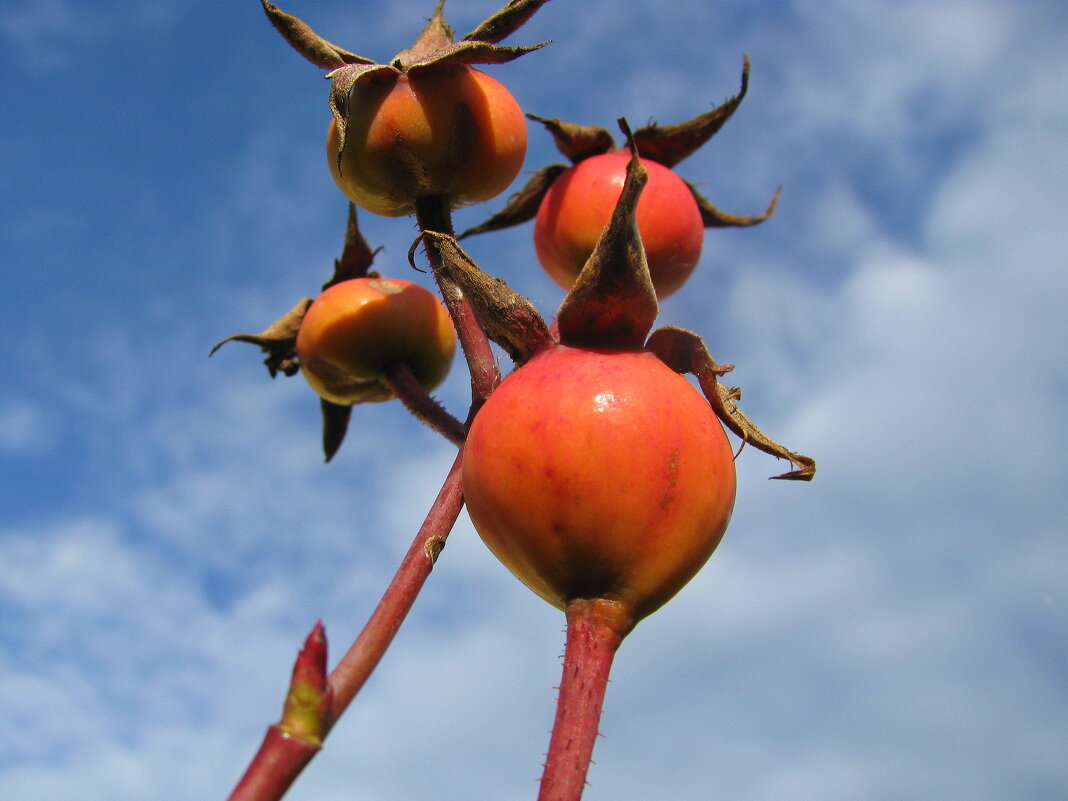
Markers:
<point>599,475</point>
<point>358,328</point>
<point>452,132</point>
<point>580,202</point>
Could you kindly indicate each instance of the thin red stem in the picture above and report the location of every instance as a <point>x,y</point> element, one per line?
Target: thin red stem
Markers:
<point>402,382</point>
<point>281,758</point>
<point>274,768</point>
<point>594,631</point>
<point>366,652</point>
<point>435,214</point>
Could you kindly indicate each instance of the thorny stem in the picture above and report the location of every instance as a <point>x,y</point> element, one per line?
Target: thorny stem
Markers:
<point>280,759</point>
<point>402,382</point>
<point>435,214</point>
<point>594,631</point>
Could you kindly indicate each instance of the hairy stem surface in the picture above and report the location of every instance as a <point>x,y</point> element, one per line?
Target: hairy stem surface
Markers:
<point>402,382</point>
<point>594,631</point>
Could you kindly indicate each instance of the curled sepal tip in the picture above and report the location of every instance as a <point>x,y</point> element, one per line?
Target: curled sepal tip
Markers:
<point>507,317</point>
<point>307,42</point>
<point>685,352</point>
<point>577,142</point>
<point>670,144</point>
<point>306,712</point>
<point>713,217</point>
<point>523,205</point>
<point>505,22</point>
<point>612,303</point>
<point>278,341</point>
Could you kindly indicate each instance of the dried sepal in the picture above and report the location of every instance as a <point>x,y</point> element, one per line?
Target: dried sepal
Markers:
<point>506,21</point>
<point>507,318</point>
<point>522,205</point>
<point>356,254</point>
<point>577,142</point>
<point>670,144</point>
<point>435,48</point>
<point>436,35</point>
<point>335,425</point>
<point>715,218</point>
<point>612,303</point>
<point>685,352</point>
<point>307,42</point>
<point>306,712</point>
<point>278,340</point>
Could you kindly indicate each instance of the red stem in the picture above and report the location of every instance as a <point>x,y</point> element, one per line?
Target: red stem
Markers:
<point>366,652</point>
<point>434,214</point>
<point>594,630</point>
<point>402,382</point>
<point>280,758</point>
<point>274,768</point>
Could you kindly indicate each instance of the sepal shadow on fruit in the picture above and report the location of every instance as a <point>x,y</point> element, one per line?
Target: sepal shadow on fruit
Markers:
<point>665,144</point>
<point>436,48</point>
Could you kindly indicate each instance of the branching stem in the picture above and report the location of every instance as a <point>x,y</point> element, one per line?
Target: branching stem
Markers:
<point>434,214</point>
<point>280,759</point>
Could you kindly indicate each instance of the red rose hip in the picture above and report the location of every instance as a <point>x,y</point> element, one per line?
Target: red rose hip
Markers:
<point>599,475</point>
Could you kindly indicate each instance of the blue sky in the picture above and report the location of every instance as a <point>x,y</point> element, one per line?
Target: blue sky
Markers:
<point>168,532</point>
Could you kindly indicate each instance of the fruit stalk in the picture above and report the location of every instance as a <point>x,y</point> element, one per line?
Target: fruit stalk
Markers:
<point>594,630</point>
<point>435,214</point>
<point>403,383</point>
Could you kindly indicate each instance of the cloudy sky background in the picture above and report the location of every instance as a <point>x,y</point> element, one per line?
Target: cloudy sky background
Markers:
<point>168,532</point>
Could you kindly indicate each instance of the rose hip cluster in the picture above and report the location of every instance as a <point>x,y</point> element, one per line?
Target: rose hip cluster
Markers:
<point>594,471</point>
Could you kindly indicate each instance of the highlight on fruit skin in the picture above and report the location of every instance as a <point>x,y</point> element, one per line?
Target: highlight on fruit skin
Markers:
<point>356,329</point>
<point>599,474</point>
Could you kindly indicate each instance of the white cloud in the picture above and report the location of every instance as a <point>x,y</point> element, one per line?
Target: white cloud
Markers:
<point>892,630</point>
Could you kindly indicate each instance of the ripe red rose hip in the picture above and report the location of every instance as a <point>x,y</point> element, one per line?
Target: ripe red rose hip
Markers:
<point>599,475</point>
<point>357,329</point>
<point>453,132</point>
<point>580,201</point>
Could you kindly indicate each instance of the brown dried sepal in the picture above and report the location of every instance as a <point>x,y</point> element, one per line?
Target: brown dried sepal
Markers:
<point>356,254</point>
<point>612,303</point>
<point>670,144</point>
<point>278,340</point>
<point>664,144</point>
<point>335,425</point>
<point>577,142</point>
<point>715,218</point>
<point>523,205</point>
<point>307,42</point>
<point>435,48</point>
<point>507,318</point>
<point>685,352</point>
